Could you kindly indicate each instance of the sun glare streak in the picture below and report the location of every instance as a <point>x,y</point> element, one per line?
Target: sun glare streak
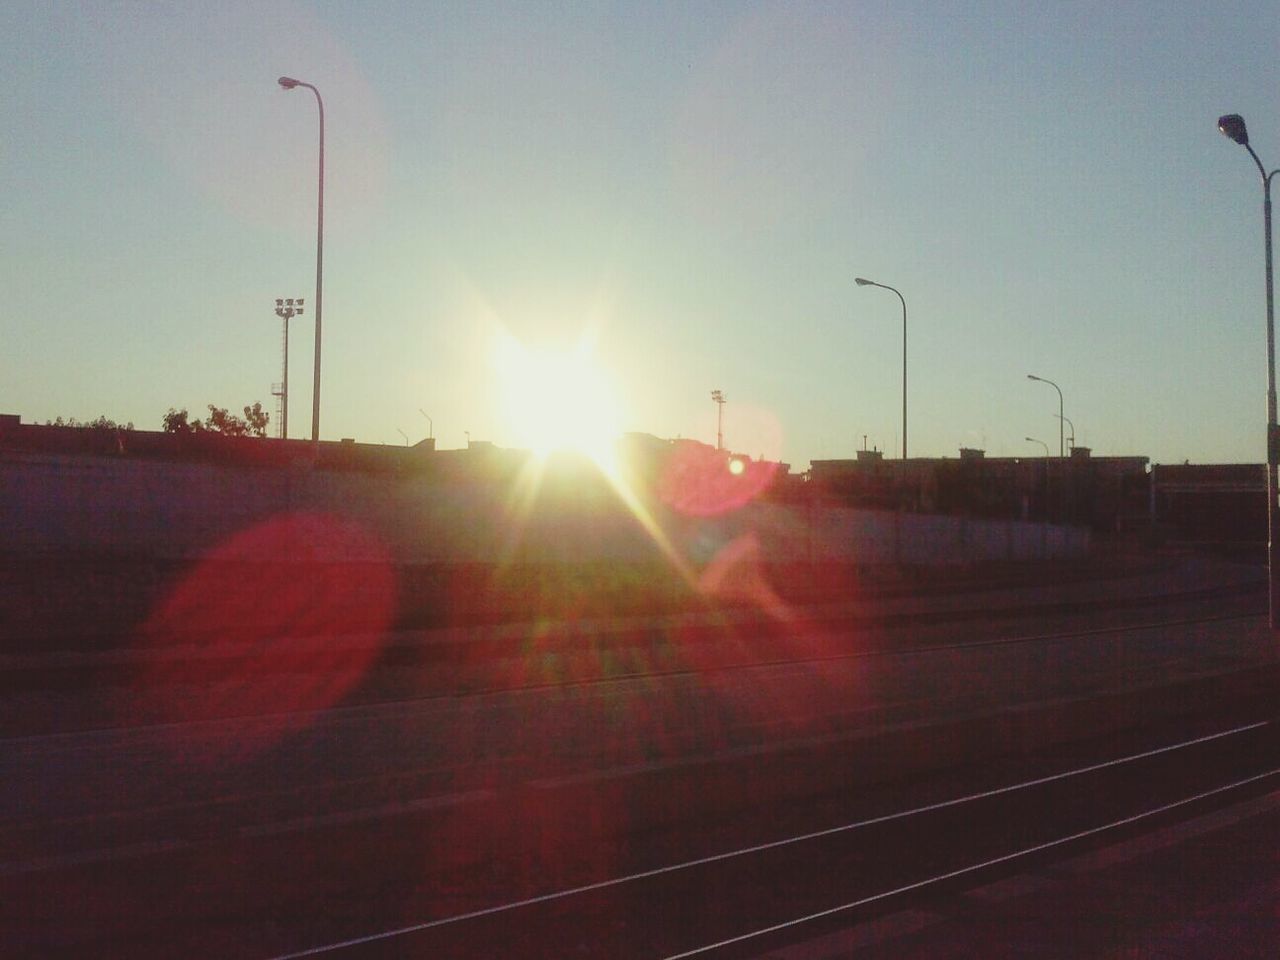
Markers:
<point>519,503</point>
<point>557,401</point>
<point>651,526</point>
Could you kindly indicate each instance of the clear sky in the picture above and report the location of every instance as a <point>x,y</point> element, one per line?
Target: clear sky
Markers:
<point>692,187</point>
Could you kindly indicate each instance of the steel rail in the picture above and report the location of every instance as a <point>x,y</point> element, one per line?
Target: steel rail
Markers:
<point>819,834</point>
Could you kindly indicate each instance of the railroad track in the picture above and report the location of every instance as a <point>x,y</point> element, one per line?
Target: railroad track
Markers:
<point>739,902</point>
<point>687,822</point>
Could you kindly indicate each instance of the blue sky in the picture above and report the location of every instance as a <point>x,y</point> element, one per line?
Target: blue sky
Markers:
<point>694,185</point>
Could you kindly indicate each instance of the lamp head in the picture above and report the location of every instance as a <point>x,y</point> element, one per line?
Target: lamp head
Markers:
<point>863,283</point>
<point>1032,376</point>
<point>287,82</point>
<point>1232,125</point>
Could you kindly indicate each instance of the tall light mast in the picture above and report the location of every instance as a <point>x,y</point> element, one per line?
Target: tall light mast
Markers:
<point>718,397</point>
<point>286,310</point>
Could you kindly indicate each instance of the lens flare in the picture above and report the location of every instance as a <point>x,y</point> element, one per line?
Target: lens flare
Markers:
<point>281,620</point>
<point>701,481</point>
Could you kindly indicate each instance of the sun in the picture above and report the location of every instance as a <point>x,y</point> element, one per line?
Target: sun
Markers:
<point>557,400</point>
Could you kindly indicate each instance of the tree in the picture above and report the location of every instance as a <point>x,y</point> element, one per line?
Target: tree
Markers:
<point>102,423</point>
<point>176,421</point>
<point>220,420</point>
<point>255,419</point>
<point>228,424</point>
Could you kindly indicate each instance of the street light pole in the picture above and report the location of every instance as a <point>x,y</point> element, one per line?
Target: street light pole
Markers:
<point>288,83</point>
<point>1061,448</point>
<point>1071,439</point>
<point>431,426</point>
<point>1232,125</point>
<point>1041,442</point>
<point>860,281</point>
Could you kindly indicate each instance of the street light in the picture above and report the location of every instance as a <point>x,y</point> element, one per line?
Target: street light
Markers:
<point>718,397</point>
<point>1071,439</point>
<point>431,427</point>
<point>884,286</point>
<point>288,83</point>
<point>1032,376</point>
<point>1232,125</point>
<point>1041,442</point>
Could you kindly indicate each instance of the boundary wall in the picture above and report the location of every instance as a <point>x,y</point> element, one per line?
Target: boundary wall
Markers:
<point>53,505</point>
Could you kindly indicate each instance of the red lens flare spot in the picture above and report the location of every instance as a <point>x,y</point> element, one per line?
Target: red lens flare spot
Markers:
<point>780,634</point>
<point>281,620</point>
<point>701,481</point>
<point>735,575</point>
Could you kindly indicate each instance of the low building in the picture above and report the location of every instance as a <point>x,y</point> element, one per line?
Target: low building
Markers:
<point>1218,503</point>
<point>1103,493</point>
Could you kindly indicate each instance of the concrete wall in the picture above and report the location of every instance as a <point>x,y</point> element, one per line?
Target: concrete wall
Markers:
<point>52,504</point>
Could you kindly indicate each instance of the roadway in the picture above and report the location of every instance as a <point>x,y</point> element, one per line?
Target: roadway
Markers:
<point>273,831</point>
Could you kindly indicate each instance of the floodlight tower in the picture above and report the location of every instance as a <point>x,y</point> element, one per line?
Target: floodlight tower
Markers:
<point>718,397</point>
<point>286,310</point>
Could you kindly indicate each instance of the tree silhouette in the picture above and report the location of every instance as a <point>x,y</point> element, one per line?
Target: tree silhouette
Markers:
<point>220,420</point>
<point>255,419</point>
<point>102,423</point>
